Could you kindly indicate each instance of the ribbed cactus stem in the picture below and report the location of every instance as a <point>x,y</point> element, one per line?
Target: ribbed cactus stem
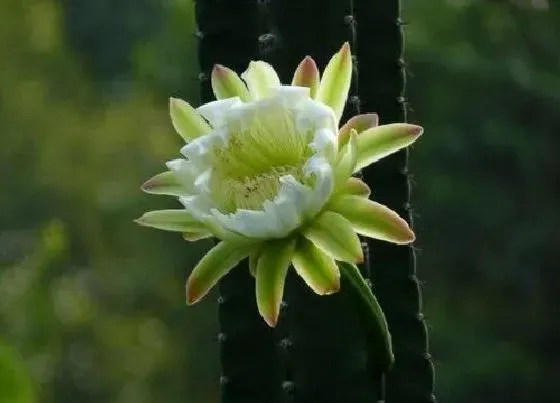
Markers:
<point>393,268</point>
<point>227,33</point>
<point>327,352</point>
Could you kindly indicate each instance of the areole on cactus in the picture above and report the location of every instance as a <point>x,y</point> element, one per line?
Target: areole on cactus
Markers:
<point>268,172</point>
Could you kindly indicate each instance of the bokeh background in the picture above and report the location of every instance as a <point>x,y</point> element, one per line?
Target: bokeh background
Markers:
<point>92,306</point>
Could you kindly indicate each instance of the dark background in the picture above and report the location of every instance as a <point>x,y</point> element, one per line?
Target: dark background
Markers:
<point>92,306</point>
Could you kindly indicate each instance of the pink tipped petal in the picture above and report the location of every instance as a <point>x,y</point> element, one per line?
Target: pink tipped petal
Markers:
<point>165,183</point>
<point>227,84</point>
<point>359,123</point>
<point>355,186</point>
<point>307,75</point>
<point>381,141</point>
<point>373,219</point>
<point>171,220</point>
<point>261,79</point>
<point>333,234</point>
<point>335,84</point>
<point>186,121</point>
<point>212,267</point>
<point>318,270</point>
<point>272,266</point>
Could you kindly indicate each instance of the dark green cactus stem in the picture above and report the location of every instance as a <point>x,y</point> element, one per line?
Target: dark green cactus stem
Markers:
<point>321,351</point>
<point>393,268</point>
<point>328,355</point>
<point>227,32</point>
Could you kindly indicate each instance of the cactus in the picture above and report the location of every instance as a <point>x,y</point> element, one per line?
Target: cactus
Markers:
<point>393,268</point>
<point>327,350</point>
<point>320,351</point>
<point>227,32</point>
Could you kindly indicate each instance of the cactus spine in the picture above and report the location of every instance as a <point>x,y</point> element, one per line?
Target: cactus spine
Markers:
<point>393,268</point>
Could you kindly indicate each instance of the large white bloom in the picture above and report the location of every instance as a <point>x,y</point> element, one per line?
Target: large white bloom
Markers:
<point>267,171</point>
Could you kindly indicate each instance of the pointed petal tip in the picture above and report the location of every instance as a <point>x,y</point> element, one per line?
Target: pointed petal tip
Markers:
<point>191,300</point>
<point>307,75</point>
<point>220,71</point>
<point>406,236</point>
<point>346,54</point>
<point>271,320</point>
<point>308,61</point>
<point>146,186</point>
<point>416,131</point>
<point>359,123</point>
<point>140,221</point>
<point>409,237</point>
<point>360,259</point>
<point>192,295</point>
<point>175,102</point>
<point>335,287</point>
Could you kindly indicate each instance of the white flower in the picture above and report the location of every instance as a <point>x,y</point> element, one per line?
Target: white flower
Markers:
<point>267,171</point>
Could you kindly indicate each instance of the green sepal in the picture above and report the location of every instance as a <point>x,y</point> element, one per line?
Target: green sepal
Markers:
<point>186,121</point>
<point>212,267</point>
<point>316,268</point>
<point>353,186</point>
<point>333,234</point>
<point>226,83</point>
<point>335,83</point>
<point>346,161</point>
<point>261,78</point>
<point>359,123</point>
<point>171,220</point>
<point>373,219</point>
<point>273,263</point>
<point>381,141</point>
<point>307,75</point>
<point>165,183</point>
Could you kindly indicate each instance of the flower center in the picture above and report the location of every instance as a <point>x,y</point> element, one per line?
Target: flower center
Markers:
<point>261,147</point>
<point>251,192</point>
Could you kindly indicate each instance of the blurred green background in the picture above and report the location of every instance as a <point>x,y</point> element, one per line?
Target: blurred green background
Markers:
<point>92,306</point>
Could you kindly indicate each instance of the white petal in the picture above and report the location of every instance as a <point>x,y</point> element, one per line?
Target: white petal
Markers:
<point>291,96</point>
<point>292,200</point>
<point>319,167</point>
<point>202,181</point>
<point>251,223</point>
<point>314,115</point>
<point>199,148</point>
<point>325,143</point>
<point>214,111</point>
<point>183,171</point>
<point>240,116</point>
<point>198,205</point>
